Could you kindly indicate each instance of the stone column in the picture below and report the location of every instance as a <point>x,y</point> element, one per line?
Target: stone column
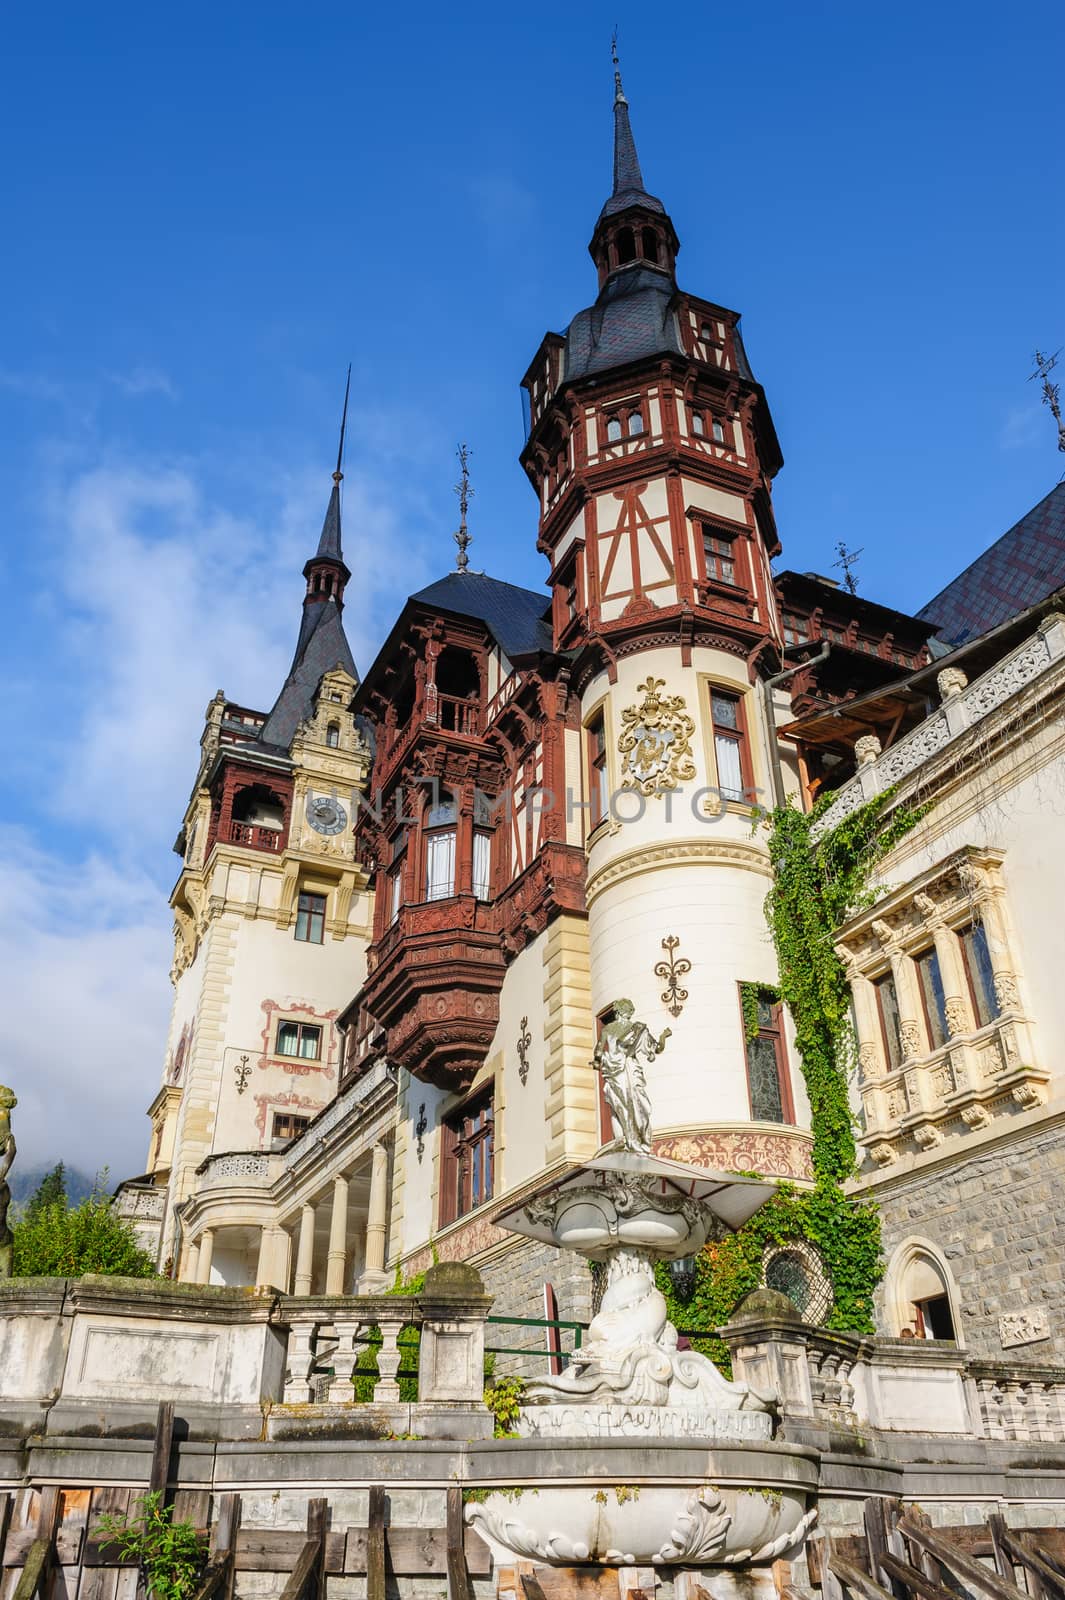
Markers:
<point>338,1238</point>
<point>305,1252</point>
<point>192,1263</point>
<point>272,1268</point>
<point>374,1278</point>
<point>203,1270</point>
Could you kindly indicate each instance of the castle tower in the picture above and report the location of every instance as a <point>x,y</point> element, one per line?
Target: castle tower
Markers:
<point>652,450</point>
<point>271,917</point>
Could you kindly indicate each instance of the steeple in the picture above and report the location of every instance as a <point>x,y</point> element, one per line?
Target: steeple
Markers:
<point>325,572</point>
<point>628,179</point>
<point>633,227</point>
<point>322,644</point>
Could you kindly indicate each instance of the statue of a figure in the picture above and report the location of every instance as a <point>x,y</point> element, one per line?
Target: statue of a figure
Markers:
<point>7,1156</point>
<point>623,1047</point>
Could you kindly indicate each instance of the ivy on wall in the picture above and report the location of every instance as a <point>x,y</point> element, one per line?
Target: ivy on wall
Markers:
<point>817,883</point>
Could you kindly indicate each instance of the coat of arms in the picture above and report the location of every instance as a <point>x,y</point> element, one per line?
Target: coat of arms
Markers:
<point>655,743</point>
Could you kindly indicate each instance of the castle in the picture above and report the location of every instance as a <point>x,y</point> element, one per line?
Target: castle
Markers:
<point>408,899</point>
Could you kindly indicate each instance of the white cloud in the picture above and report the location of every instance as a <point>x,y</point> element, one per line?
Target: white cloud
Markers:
<point>85,953</point>
<point>160,593</point>
<point>141,381</point>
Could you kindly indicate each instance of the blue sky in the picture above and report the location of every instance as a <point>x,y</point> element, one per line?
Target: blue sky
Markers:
<point>210,210</point>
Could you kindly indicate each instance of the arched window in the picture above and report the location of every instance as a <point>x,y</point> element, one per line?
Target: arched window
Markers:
<point>698,424</point>
<point>613,429</point>
<point>635,422</point>
<point>920,1295</point>
<point>649,239</point>
<point>796,1269</point>
<point>626,246</point>
<point>719,433</point>
<point>332,735</point>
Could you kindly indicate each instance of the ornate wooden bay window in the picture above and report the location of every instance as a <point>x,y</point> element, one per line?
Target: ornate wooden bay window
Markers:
<point>944,1044</point>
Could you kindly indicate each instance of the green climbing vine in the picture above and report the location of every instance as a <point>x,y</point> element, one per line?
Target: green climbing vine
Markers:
<point>819,880</point>
<point>750,994</point>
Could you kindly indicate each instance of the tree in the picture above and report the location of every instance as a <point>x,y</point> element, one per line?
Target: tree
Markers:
<point>52,1188</point>
<point>57,1240</point>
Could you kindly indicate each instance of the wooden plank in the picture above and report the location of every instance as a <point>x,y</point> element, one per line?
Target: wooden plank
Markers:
<point>6,1504</point>
<point>879,1520</point>
<point>1042,1577</point>
<point>376,1555</point>
<point>192,1505</point>
<point>34,1571</point>
<point>913,1580</point>
<point>855,1579</point>
<point>159,1476</point>
<point>224,1533</point>
<point>70,1530</point>
<point>458,1579</point>
<point>571,1583</point>
<point>271,1550</point>
<point>317,1522</point>
<point>831,1588</point>
<point>303,1572</point>
<point>958,1563</point>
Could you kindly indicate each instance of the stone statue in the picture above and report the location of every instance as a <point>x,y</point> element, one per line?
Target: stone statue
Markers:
<point>623,1047</point>
<point>7,1156</point>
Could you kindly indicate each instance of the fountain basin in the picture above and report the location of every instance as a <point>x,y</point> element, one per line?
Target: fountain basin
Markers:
<point>701,1524</point>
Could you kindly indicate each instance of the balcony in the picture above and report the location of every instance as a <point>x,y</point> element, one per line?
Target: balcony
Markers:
<point>456,716</point>
<point>243,1169</point>
<point>433,985</point>
<point>255,837</point>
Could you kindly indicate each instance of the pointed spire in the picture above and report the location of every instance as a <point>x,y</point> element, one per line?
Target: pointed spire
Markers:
<point>628,179</point>
<point>329,544</point>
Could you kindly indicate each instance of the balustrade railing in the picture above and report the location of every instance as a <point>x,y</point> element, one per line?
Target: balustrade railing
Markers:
<point>256,837</point>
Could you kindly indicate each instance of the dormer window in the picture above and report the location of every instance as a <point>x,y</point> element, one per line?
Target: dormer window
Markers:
<point>626,246</point>
<point>706,333</point>
<point>613,429</point>
<point>649,240</point>
<point>635,422</point>
<point>332,735</point>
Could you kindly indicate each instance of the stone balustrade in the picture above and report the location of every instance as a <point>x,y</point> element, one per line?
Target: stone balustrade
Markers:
<point>854,1383</point>
<point>96,1355</point>
<point>962,709</point>
<point>253,1169</point>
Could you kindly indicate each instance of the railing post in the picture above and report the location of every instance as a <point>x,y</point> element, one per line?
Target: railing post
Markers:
<point>767,1342</point>
<point>299,1391</point>
<point>345,1357</point>
<point>451,1360</point>
<point>386,1389</point>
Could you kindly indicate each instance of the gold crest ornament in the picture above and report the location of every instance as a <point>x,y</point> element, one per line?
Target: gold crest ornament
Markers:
<point>655,742</point>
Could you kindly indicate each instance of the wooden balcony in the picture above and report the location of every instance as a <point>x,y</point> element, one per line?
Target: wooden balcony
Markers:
<point>254,837</point>
<point>434,983</point>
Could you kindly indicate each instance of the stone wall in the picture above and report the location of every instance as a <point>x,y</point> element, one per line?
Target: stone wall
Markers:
<point>516,1278</point>
<point>997,1217</point>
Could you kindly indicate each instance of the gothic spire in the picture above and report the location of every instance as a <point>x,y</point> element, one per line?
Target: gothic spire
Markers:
<point>628,178</point>
<point>329,544</point>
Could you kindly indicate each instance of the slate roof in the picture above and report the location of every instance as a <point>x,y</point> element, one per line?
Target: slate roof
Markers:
<point>514,616</point>
<point>1016,572</point>
<point>633,317</point>
<point>329,543</point>
<point>628,179</point>
<point>322,645</point>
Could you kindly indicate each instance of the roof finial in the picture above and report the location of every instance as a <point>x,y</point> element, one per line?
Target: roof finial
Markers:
<point>848,560</point>
<point>1044,366</point>
<point>338,474</point>
<point>465,494</point>
<point>619,93</point>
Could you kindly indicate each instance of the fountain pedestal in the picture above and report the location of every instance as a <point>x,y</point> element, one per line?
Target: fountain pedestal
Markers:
<point>630,1209</point>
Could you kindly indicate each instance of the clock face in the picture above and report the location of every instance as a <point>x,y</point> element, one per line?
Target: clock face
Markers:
<point>325,813</point>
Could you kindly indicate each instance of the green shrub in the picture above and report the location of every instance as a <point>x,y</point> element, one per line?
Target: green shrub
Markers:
<point>170,1554</point>
<point>54,1239</point>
